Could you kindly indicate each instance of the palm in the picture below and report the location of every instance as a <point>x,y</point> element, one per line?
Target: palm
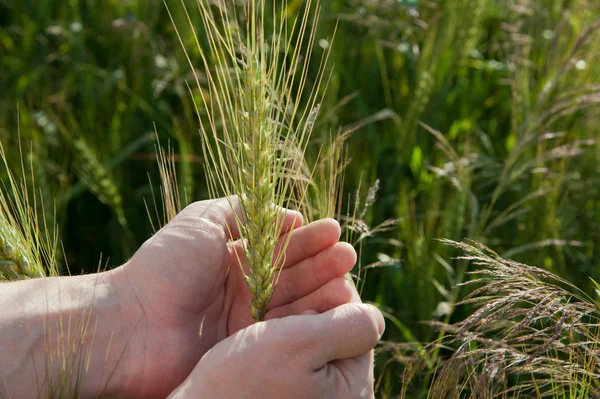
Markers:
<point>198,294</point>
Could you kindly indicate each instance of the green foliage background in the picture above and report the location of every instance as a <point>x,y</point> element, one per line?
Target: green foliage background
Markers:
<point>480,119</point>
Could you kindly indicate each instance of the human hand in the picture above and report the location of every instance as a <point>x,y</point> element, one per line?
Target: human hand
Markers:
<point>186,292</point>
<point>326,355</point>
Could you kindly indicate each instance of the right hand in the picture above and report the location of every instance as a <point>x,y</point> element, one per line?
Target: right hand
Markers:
<point>328,355</point>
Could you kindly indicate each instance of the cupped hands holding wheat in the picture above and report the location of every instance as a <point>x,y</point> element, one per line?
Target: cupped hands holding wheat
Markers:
<point>188,293</point>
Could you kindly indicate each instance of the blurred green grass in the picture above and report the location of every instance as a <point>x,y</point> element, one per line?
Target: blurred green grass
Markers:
<point>480,119</point>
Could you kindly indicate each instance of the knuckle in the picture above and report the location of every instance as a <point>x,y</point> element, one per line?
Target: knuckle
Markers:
<point>364,325</point>
<point>196,207</point>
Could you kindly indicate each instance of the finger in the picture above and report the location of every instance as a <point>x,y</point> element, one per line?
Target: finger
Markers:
<point>344,332</point>
<point>304,242</point>
<point>291,220</point>
<point>309,240</point>
<point>355,295</point>
<point>335,293</point>
<point>227,213</point>
<point>314,272</point>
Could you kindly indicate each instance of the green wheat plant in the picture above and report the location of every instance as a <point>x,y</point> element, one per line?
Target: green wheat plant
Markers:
<point>27,245</point>
<point>256,126</point>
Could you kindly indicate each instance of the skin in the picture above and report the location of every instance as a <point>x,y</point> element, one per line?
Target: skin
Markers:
<point>326,355</point>
<point>176,317</point>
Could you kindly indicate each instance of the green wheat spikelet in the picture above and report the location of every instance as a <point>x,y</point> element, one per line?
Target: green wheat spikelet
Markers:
<point>14,263</point>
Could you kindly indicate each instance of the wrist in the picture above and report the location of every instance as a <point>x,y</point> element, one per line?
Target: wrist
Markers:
<point>128,346</point>
<point>64,334</point>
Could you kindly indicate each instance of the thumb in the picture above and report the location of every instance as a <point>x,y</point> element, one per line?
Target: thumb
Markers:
<point>344,332</point>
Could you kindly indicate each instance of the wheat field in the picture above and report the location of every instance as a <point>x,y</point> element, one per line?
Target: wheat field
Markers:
<point>456,141</point>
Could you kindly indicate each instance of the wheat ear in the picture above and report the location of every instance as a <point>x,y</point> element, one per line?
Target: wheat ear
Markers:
<point>253,130</point>
<point>27,245</point>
